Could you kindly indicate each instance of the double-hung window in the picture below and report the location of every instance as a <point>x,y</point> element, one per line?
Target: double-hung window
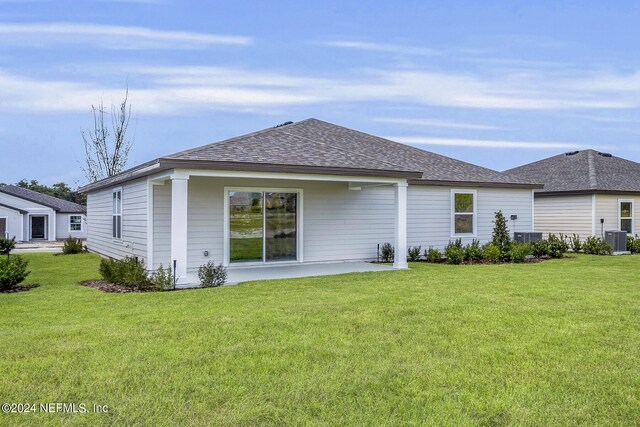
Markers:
<point>625,221</point>
<point>463,212</point>
<point>117,214</point>
<point>75,223</point>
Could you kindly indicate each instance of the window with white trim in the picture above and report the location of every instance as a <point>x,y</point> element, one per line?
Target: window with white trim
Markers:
<point>75,222</point>
<point>463,212</point>
<point>625,221</point>
<point>117,214</point>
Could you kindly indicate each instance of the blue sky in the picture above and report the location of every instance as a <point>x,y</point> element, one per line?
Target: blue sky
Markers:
<point>493,83</point>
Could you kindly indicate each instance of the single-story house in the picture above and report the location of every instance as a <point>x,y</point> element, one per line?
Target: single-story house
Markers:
<point>585,192</point>
<point>30,216</point>
<point>297,193</point>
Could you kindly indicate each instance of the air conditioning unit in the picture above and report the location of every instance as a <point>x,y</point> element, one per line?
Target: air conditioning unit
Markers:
<point>617,240</point>
<point>526,237</point>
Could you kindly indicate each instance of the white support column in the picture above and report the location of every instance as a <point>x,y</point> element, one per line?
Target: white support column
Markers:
<point>51,226</point>
<point>400,261</point>
<point>179,198</point>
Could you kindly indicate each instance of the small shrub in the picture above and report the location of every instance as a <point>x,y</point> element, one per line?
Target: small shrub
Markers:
<point>519,252</point>
<point>539,248</point>
<point>454,253</point>
<point>72,246</point>
<point>13,270</point>
<point>387,252</point>
<point>413,254</point>
<point>7,245</point>
<point>162,278</point>
<point>576,243</point>
<point>491,252</point>
<point>636,246</point>
<point>596,246</point>
<point>630,243</point>
<point>500,236</point>
<point>557,246</point>
<point>212,275</point>
<point>433,255</point>
<point>473,252</point>
<point>127,272</point>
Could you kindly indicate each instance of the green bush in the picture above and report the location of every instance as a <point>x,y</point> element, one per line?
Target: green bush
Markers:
<point>72,246</point>
<point>539,248</point>
<point>413,253</point>
<point>386,252</point>
<point>500,236</point>
<point>631,240</point>
<point>7,245</point>
<point>454,252</point>
<point>491,252</point>
<point>473,252</point>
<point>433,255</point>
<point>127,272</point>
<point>519,252</point>
<point>576,243</point>
<point>636,246</point>
<point>162,278</point>
<point>557,246</point>
<point>596,246</point>
<point>212,275</point>
<point>13,270</point>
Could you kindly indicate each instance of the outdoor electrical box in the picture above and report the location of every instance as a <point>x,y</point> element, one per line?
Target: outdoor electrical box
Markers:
<point>514,217</point>
<point>526,237</point>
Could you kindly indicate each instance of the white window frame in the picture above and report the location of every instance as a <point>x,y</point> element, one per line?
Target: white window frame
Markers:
<point>620,218</point>
<point>76,231</point>
<point>453,213</point>
<point>227,225</point>
<point>115,214</point>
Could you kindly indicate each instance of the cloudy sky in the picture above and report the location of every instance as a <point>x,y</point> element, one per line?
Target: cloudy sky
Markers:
<point>494,83</point>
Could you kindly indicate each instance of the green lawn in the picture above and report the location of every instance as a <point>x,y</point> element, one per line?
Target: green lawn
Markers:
<point>556,343</point>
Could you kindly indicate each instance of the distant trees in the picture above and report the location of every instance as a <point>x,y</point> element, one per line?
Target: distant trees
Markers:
<point>107,147</point>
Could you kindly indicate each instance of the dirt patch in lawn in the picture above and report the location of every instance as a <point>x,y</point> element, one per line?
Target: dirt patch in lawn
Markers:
<point>109,287</point>
<point>19,288</point>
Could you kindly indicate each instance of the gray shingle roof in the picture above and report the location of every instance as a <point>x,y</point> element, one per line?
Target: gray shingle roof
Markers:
<point>586,171</point>
<point>54,203</point>
<point>316,144</point>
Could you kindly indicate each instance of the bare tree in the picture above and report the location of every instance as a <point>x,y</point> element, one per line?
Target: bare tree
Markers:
<point>107,152</point>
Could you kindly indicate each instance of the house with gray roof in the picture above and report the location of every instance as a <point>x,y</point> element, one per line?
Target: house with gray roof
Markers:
<point>31,216</point>
<point>304,193</point>
<point>585,193</point>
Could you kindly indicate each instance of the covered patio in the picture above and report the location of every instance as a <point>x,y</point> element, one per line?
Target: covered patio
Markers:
<point>242,274</point>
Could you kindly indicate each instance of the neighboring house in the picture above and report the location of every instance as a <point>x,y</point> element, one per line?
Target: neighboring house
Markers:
<point>28,215</point>
<point>304,192</point>
<point>585,192</point>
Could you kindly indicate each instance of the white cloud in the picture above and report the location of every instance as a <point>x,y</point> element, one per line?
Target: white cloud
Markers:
<point>482,143</point>
<point>110,36</point>
<point>382,47</point>
<point>435,123</point>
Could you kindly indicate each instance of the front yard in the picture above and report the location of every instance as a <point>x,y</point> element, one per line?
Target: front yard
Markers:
<point>553,343</point>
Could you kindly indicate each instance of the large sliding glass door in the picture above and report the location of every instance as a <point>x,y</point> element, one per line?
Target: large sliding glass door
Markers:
<point>263,226</point>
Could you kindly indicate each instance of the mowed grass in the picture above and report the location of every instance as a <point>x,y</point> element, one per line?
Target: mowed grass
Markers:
<point>555,343</point>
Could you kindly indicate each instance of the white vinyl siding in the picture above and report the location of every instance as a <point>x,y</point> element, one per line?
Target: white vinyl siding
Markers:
<point>607,208</point>
<point>62,227</point>
<point>134,221</point>
<point>13,223</point>
<point>162,225</point>
<point>565,214</point>
<point>429,214</point>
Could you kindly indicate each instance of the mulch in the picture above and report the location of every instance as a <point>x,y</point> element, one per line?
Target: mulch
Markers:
<point>109,287</point>
<point>18,288</point>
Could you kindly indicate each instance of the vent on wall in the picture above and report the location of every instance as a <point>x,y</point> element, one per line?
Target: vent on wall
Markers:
<point>571,153</point>
<point>605,154</point>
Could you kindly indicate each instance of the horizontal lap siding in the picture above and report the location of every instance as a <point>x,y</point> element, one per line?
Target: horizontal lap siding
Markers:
<point>134,221</point>
<point>339,224</point>
<point>429,213</point>
<point>62,227</point>
<point>607,208</point>
<point>162,225</point>
<point>564,214</point>
<point>14,222</point>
